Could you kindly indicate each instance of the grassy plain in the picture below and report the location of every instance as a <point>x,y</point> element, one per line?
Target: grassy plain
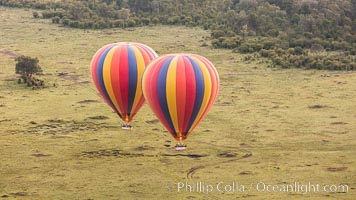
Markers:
<point>268,125</point>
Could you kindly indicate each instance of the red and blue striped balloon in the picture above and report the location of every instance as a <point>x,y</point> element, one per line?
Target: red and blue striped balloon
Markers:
<point>116,72</point>
<point>180,89</point>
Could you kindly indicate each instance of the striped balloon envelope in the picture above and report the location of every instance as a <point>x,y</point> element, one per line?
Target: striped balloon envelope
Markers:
<point>180,89</point>
<point>116,72</point>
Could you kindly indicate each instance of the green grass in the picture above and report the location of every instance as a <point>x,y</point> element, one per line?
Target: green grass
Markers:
<point>270,125</point>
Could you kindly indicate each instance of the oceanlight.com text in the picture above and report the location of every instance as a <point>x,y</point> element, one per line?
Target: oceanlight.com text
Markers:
<point>262,187</point>
<point>298,187</point>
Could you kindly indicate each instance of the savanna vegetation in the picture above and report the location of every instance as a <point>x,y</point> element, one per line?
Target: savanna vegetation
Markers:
<point>27,67</point>
<point>311,34</point>
<point>267,125</point>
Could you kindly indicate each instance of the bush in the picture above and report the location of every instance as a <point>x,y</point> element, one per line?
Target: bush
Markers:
<point>56,20</point>
<point>217,33</point>
<point>119,23</point>
<point>51,14</point>
<point>101,24</point>
<point>155,20</point>
<point>39,5</point>
<point>316,48</point>
<point>145,21</point>
<point>131,23</point>
<point>298,50</point>
<point>268,43</point>
<point>245,48</point>
<point>187,20</point>
<point>173,20</point>
<point>35,14</point>
<point>228,43</point>
<point>264,53</point>
<point>66,22</point>
<point>74,24</point>
<point>88,25</point>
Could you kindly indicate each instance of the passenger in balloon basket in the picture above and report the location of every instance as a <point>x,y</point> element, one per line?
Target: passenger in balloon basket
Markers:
<point>180,146</point>
<point>126,125</point>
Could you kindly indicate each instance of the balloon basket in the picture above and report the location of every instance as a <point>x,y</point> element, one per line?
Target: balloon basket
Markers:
<point>126,126</point>
<point>180,147</point>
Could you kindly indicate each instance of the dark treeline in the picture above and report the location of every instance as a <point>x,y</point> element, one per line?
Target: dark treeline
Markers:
<point>312,34</point>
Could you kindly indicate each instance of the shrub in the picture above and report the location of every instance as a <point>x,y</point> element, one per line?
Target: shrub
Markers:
<point>39,5</point>
<point>187,20</point>
<point>155,20</point>
<point>35,14</point>
<point>51,14</point>
<point>298,50</point>
<point>264,53</point>
<point>245,48</point>
<point>66,21</point>
<point>74,24</point>
<point>56,20</point>
<point>119,23</point>
<point>87,24</point>
<point>173,20</point>
<point>316,48</point>
<point>131,23</point>
<point>217,33</point>
<point>145,21</point>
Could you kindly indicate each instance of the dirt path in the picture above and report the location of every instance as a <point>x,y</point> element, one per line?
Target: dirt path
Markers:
<point>246,154</point>
<point>8,53</point>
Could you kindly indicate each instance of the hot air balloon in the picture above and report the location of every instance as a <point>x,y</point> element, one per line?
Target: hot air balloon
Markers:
<point>116,72</point>
<point>180,89</point>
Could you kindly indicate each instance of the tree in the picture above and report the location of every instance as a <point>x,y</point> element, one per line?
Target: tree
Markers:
<point>78,11</point>
<point>124,14</point>
<point>27,67</point>
<point>244,31</point>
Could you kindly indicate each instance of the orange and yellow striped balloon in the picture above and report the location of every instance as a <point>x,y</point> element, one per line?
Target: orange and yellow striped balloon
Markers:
<point>116,72</point>
<point>180,89</point>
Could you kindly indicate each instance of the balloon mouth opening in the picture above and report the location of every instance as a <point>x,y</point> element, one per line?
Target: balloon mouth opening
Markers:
<point>180,139</point>
<point>126,119</point>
